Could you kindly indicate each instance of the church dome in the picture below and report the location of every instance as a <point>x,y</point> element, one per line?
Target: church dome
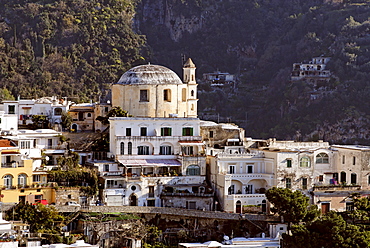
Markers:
<point>149,74</point>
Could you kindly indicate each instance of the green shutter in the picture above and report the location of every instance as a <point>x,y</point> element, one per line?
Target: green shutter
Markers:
<point>162,131</point>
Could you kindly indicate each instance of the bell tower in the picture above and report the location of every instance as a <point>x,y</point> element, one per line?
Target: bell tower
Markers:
<point>189,79</point>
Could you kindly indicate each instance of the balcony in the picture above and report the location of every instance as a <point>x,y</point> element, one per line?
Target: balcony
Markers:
<point>13,164</point>
<point>241,155</point>
<point>251,176</point>
<point>245,196</point>
<point>333,187</point>
<point>188,194</point>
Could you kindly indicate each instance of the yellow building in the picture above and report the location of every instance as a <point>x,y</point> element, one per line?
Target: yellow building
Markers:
<point>19,183</point>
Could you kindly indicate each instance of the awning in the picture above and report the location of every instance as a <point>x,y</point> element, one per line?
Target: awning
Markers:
<point>26,107</point>
<point>149,162</point>
<point>233,140</point>
<point>191,142</point>
<point>10,152</point>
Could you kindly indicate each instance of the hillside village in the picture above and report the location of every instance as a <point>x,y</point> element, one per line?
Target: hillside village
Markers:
<point>160,154</point>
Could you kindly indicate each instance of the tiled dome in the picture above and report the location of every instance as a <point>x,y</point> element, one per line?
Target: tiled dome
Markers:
<point>149,74</point>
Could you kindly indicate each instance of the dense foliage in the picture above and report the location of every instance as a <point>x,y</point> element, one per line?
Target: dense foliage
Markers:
<point>66,48</point>
<point>328,230</point>
<point>42,219</point>
<point>259,41</point>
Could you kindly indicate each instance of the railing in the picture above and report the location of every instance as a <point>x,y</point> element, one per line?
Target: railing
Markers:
<point>241,155</point>
<point>336,187</point>
<point>111,173</point>
<point>187,194</point>
<point>12,165</point>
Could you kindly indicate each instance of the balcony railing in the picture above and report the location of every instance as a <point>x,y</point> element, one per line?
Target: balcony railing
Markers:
<point>12,165</point>
<point>187,194</point>
<point>336,187</point>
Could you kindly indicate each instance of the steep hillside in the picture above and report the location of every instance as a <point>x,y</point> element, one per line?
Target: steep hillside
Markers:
<point>259,41</point>
<point>66,48</point>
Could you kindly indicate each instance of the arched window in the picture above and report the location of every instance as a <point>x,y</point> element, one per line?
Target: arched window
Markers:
<point>305,162</point>
<point>192,93</point>
<point>353,178</point>
<point>193,170</point>
<point>22,180</point>
<point>343,177</point>
<point>122,148</point>
<point>8,181</point>
<point>129,148</point>
<point>322,158</point>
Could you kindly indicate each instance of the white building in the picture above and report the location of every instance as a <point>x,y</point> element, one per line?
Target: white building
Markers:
<point>239,177</point>
<point>159,151</point>
<point>24,109</point>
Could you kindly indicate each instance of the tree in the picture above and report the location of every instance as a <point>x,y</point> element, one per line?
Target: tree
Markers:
<point>5,94</point>
<point>40,121</point>
<point>293,206</point>
<point>42,219</point>
<point>329,230</point>
<point>114,112</point>
<point>66,120</point>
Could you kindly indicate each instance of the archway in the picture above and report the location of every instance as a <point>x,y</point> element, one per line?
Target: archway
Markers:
<point>238,207</point>
<point>133,200</point>
<point>74,127</point>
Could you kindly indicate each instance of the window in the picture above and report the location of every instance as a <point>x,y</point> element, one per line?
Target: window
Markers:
<point>322,158</point>
<point>57,111</point>
<point>184,95</point>
<point>8,181</point>
<point>25,144</point>
<point>304,183</point>
<point>353,178</point>
<point>36,178</point>
<point>128,131</point>
<point>129,148</point>
<point>288,183</point>
<point>143,131</point>
<point>50,143</point>
<point>250,168</point>
<point>368,180</point>
<point>350,206</point>
<point>122,148</point>
<point>289,163</point>
<point>231,189</point>
<point>167,95</point>
<point>165,150</point>
<point>211,134</point>
<point>144,97</point>
<point>343,159</point>
<point>11,109</point>
<point>151,203</point>
<point>22,180</point>
<point>191,205</point>
<point>106,167</point>
<point>187,131</point>
<point>88,114</point>
<point>192,93</point>
<point>354,160</point>
<point>321,178</point>
<point>187,150</point>
<point>304,162</point>
<point>231,169</point>
<point>249,189</point>
<point>193,170</point>
<point>343,177</point>
<point>166,131</point>
<point>151,191</point>
<point>143,150</point>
